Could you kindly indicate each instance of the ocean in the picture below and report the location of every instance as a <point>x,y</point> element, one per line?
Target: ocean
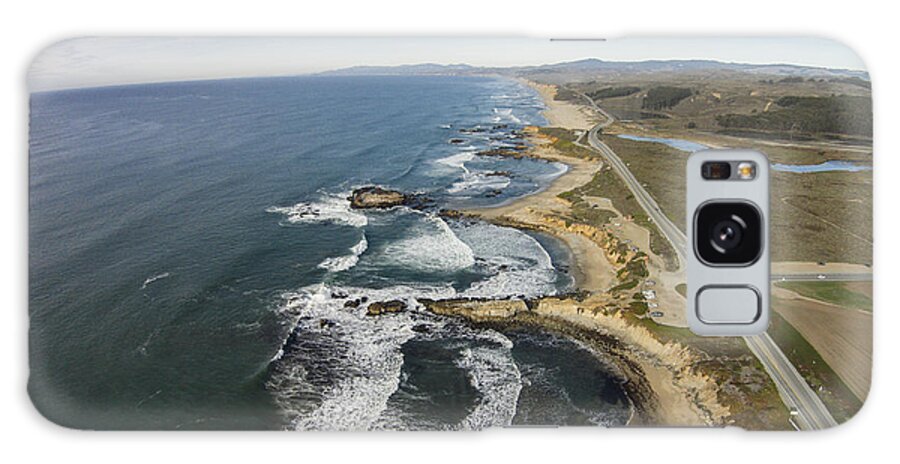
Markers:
<point>192,253</point>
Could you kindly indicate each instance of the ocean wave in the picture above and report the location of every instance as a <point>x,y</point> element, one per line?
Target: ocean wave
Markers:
<point>478,182</point>
<point>332,208</point>
<point>432,247</point>
<point>339,367</point>
<point>494,373</point>
<point>457,160</point>
<point>151,279</point>
<point>357,357</point>
<point>507,114</point>
<point>342,263</point>
<point>561,169</point>
<point>517,264</point>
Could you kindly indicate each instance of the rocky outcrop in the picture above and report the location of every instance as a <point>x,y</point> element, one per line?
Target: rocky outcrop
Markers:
<point>476,309</point>
<point>513,152</point>
<point>451,213</point>
<point>384,307</point>
<point>378,197</point>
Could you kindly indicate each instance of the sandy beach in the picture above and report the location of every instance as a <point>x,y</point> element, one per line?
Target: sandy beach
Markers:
<point>562,113</point>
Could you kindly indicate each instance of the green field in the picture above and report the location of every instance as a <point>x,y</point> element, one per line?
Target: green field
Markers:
<point>837,293</point>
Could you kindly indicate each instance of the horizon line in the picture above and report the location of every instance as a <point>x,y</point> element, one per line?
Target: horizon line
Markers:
<point>425,63</point>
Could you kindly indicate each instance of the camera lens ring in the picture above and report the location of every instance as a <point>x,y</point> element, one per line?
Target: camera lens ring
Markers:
<point>728,233</point>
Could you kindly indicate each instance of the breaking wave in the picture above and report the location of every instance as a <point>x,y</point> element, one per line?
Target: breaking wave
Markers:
<point>342,263</point>
<point>151,279</point>
<point>432,247</point>
<point>333,208</point>
<point>338,368</point>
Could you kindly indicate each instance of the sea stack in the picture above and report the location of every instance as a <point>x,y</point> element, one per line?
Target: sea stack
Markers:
<point>377,197</point>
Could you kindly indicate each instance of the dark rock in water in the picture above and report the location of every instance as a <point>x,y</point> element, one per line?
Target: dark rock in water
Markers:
<point>325,323</point>
<point>472,130</point>
<point>377,197</point>
<point>421,328</point>
<point>499,174</point>
<point>502,152</point>
<point>364,299</point>
<point>493,193</point>
<point>500,126</point>
<point>457,141</point>
<point>352,303</point>
<point>339,294</point>
<point>383,307</point>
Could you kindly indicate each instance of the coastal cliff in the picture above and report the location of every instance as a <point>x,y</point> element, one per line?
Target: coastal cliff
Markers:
<point>660,378</point>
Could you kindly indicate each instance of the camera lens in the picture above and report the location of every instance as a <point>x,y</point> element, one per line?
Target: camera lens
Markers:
<point>728,233</point>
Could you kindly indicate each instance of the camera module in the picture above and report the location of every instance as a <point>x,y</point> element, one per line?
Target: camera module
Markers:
<point>728,233</point>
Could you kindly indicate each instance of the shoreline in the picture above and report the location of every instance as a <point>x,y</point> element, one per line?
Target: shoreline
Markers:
<point>658,378</point>
<point>660,383</point>
<point>590,272</point>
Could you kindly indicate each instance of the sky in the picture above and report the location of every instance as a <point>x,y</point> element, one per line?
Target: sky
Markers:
<point>102,61</point>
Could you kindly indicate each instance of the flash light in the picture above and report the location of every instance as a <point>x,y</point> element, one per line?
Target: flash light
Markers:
<point>746,170</point>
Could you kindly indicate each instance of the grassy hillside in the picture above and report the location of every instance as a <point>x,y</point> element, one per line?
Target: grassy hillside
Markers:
<point>842,114</point>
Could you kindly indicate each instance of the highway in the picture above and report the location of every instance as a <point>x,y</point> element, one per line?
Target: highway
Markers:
<point>807,410</point>
<point>833,277</point>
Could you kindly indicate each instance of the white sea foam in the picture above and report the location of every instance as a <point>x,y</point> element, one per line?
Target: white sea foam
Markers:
<point>517,263</point>
<point>433,246</point>
<point>458,160</point>
<point>330,208</point>
<point>477,182</point>
<point>342,263</point>
<point>507,114</point>
<point>367,368</point>
<point>494,373</point>
<point>151,279</point>
<point>343,366</point>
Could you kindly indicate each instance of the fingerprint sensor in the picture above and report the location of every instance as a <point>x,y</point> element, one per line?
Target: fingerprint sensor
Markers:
<point>723,304</point>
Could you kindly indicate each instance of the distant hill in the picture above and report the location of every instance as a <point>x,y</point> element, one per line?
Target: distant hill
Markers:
<point>403,70</point>
<point>593,66</point>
